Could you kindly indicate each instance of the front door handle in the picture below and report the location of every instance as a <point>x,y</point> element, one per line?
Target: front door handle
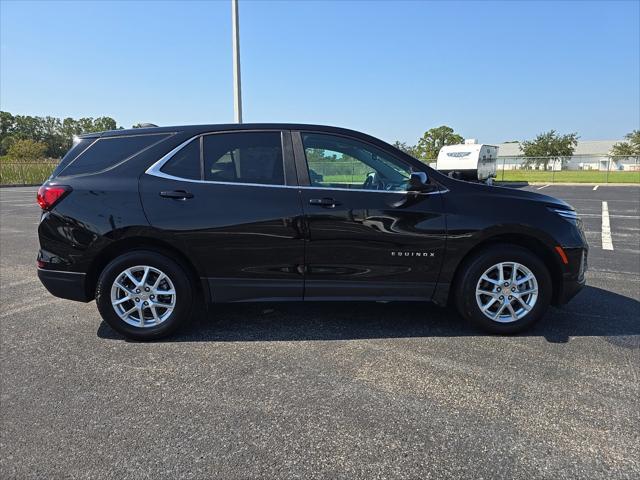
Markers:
<point>324,202</point>
<point>177,194</point>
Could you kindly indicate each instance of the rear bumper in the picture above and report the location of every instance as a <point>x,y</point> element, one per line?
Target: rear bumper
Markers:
<point>69,285</point>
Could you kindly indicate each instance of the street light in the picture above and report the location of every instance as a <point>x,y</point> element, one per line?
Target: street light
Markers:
<point>237,92</point>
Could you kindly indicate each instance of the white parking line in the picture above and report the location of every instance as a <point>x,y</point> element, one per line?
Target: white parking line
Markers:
<point>635,217</point>
<point>596,187</point>
<point>607,243</point>
<point>544,186</point>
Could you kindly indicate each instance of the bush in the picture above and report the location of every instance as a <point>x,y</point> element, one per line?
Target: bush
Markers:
<point>26,151</point>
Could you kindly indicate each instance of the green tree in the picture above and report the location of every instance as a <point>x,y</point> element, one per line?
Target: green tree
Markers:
<point>27,127</point>
<point>7,122</point>
<point>25,150</point>
<point>85,124</point>
<point>52,136</point>
<point>548,146</point>
<point>409,149</point>
<point>433,140</point>
<point>630,148</point>
<point>101,124</point>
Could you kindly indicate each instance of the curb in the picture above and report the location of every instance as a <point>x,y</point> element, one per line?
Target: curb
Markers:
<point>587,184</point>
<point>511,184</point>
<point>12,185</point>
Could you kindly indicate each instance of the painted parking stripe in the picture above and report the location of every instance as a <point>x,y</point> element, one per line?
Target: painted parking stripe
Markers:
<point>634,217</point>
<point>544,186</point>
<point>596,187</point>
<point>607,243</point>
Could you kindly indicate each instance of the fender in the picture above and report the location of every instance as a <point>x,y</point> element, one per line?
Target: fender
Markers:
<point>460,246</point>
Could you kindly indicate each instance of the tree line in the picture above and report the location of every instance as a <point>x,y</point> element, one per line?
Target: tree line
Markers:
<point>545,147</point>
<point>24,136</point>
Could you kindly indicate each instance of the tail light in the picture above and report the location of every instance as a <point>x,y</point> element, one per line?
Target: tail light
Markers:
<point>49,195</point>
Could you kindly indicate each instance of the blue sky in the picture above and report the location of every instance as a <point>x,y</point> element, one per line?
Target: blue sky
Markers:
<point>495,71</point>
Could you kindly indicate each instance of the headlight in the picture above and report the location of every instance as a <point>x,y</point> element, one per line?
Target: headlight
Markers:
<point>568,214</point>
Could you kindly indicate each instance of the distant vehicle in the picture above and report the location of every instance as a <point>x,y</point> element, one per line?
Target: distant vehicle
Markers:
<point>148,221</point>
<point>468,161</point>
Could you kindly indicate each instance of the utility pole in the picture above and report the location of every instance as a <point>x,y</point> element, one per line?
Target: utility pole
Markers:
<point>237,92</point>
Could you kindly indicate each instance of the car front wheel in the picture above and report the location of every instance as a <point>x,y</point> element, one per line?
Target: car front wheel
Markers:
<point>504,289</point>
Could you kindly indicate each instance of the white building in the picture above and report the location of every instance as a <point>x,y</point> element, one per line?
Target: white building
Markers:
<point>588,155</point>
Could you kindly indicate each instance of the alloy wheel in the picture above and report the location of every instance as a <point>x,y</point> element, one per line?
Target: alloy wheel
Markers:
<point>143,296</point>
<point>507,292</point>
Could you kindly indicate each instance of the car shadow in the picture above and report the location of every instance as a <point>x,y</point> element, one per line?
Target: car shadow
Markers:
<point>594,312</point>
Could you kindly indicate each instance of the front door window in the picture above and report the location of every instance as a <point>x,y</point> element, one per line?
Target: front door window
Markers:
<point>340,162</point>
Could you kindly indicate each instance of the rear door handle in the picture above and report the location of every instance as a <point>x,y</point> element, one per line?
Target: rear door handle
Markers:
<point>324,202</point>
<point>177,194</point>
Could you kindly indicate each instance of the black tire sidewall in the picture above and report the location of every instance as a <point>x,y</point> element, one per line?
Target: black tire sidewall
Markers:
<point>184,298</point>
<point>466,297</point>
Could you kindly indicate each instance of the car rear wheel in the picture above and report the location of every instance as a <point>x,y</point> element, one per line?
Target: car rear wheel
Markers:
<point>504,289</point>
<point>144,295</point>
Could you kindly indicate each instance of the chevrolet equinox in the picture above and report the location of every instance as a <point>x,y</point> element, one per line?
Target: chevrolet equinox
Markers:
<point>151,220</point>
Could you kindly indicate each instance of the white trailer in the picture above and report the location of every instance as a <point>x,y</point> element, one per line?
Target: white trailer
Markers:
<point>468,161</point>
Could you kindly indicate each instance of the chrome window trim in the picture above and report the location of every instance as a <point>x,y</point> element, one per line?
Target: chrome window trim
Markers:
<point>154,170</point>
<point>437,192</point>
<point>148,134</point>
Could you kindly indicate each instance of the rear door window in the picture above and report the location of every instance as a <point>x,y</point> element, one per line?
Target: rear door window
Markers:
<point>109,151</point>
<point>244,157</point>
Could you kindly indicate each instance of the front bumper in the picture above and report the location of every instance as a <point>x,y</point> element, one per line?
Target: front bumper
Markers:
<point>69,285</point>
<point>573,278</point>
<point>570,289</point>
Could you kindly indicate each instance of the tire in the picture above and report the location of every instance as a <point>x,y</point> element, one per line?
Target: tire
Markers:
<point>534,293</point>
<point>165,312</point>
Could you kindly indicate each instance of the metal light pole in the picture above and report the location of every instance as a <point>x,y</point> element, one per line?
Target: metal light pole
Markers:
<point>237,92</point>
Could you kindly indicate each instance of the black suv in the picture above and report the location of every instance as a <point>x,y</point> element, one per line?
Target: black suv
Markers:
<point>148,221</point>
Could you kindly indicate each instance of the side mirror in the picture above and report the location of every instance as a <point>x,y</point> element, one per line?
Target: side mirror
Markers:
<point>418,181</point>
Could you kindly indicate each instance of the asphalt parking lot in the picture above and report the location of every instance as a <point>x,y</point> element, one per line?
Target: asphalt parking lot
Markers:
<point>326,390</point>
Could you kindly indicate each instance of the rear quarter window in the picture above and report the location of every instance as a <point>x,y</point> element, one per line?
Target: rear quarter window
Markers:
<point>78,147</point>
<point>107,152</point>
